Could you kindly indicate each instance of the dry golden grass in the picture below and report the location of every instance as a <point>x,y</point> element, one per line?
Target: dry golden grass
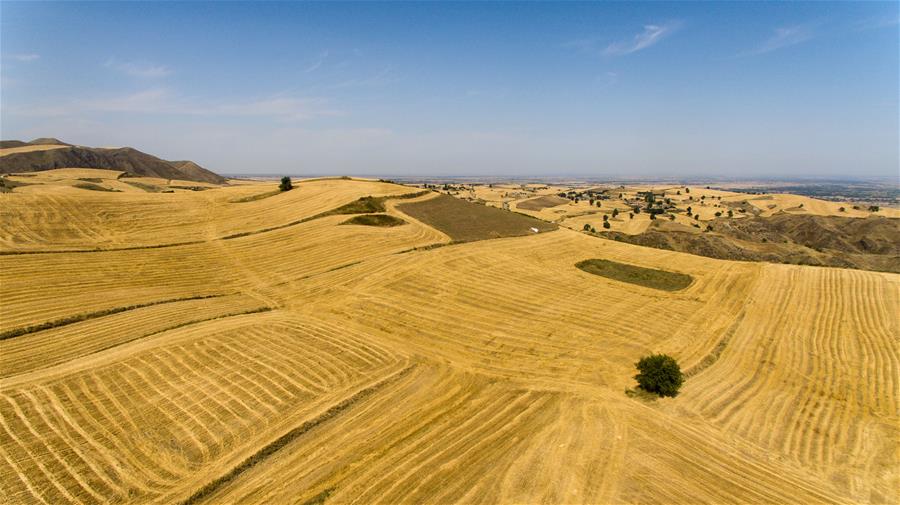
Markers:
<point>355,364</point>
<point>28,149</point>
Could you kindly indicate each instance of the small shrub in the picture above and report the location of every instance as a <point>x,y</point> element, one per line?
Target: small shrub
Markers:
<point>615,212</point>
<point>631,215</point>
<point>587,227</point>
<point>874,208</point>
<point>606,224</point>
<point>285,184</point>
<point>660,374</point>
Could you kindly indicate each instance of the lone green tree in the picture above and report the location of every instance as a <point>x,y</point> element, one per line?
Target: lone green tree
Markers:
<point>285,184</point>
<point>660,374</point>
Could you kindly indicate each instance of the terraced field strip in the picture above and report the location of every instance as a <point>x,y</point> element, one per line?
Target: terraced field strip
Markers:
<point>58,345</point>
<point>810,383</point>
<point>274,446</point>
<point>490,305</point>
<point>16,332</point>
<point>82,221</point>
<point>41,288</point>
<point>164,411</point>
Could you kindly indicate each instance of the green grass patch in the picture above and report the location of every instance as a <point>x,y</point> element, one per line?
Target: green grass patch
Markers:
<point>383,220</point>
<point>647,277</point>
<point>364,205</point>
<point>7,186</point>
<point>94,187</point>
<point>356,207</point>
<point>191,188</point>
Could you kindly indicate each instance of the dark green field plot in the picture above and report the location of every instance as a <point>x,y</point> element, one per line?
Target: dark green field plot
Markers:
<point>647,277</point>
<point>465,221</point>
<point>375,220</point>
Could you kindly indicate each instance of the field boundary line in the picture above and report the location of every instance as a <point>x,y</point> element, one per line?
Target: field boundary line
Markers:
<point>226,237</point>
<point>296,432</point>
<point>65,321</point>
<point>719,348</point>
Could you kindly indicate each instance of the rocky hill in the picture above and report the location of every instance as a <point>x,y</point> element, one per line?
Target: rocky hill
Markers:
<point>127,159</point>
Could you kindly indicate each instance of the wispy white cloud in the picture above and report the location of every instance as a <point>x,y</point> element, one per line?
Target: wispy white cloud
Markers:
<point>784,37</point>
<point>319,61</point>
<point>25,57</point>
<point>650,36</point>
<point>138,69</point>
<point>163,101</point>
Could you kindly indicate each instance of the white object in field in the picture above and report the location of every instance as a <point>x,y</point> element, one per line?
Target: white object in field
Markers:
<point>534,230</point>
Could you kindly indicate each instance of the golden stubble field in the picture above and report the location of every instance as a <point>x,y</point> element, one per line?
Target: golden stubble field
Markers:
<point>324,363</point>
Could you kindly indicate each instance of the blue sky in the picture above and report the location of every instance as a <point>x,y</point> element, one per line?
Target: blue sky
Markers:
<point>554,89</point>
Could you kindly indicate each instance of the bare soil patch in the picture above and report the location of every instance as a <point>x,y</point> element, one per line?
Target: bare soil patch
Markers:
<point>465,221</point>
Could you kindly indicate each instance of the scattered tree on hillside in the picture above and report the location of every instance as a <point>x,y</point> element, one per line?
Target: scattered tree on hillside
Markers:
<point>718,213</point>
<point>615,212</point>
<point>730,213</point>
<point>709,227</point>
<point>653,216</point>
<point>637,210</point>
<point>874,208</point>
<point>660,374</point>
<point>605,218</point>
<point>630,215</point>
<point>687,190</point>
<point>606,224</point>
<point>841,209</point>
<point>587,227</point>
<point>671,217</point>
<point>285,184</point>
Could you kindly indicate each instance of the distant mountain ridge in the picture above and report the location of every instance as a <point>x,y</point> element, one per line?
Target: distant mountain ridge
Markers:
<point>127,159</point>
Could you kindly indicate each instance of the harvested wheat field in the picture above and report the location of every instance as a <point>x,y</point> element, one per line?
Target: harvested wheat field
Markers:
<point>238,344</point>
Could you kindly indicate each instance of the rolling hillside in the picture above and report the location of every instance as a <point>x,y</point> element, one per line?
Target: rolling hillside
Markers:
<point>48,154</point>
<point>242,345</point>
